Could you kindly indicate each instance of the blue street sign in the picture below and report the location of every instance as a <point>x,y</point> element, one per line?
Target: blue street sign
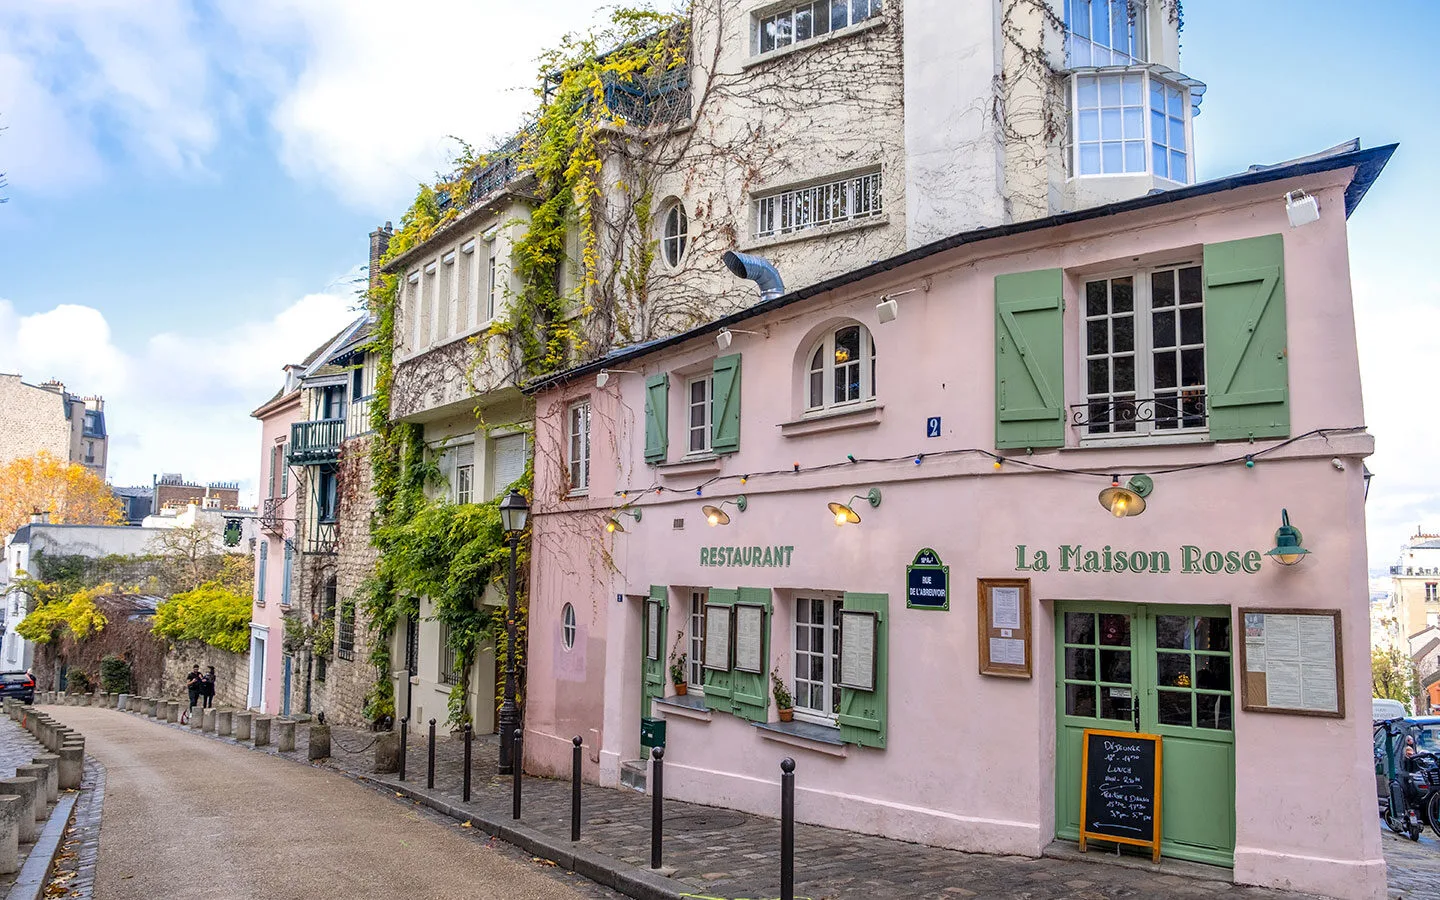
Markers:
<point>932,426</point>
<point>927,582</point>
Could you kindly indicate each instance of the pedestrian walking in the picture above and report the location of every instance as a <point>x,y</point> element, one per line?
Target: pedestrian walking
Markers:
<point>194,685</point>
<point>207,684</point>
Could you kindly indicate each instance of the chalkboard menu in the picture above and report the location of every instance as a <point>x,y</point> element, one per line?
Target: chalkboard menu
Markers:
<point>1120,789</point>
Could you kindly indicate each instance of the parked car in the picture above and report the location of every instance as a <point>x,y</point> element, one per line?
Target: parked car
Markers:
<point>18,684</point>
<point>1382,709</point>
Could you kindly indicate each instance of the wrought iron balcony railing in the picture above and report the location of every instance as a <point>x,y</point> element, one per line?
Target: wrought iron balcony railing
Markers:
<point>643,102</point>
<point>1167,412</point>
<point>502,166</point>
<point>316,442</point>
<point>271,516</point>
<point>324,538</point>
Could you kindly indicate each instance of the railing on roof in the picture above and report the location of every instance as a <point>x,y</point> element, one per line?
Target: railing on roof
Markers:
<point>645,101</point>
<point>502,166</point>
<point>315,442</point>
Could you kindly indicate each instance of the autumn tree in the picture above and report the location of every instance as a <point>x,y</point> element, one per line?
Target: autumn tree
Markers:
<point>195,555</point>
<point>1394,675</point>
<point>69,492</point>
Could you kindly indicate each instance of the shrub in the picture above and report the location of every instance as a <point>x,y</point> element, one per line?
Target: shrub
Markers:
<point>114,675</point>
<point>211,613</point>
<point>77,682</point>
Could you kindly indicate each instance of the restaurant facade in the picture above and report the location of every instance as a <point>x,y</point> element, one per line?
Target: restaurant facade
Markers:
<point>970,509</point>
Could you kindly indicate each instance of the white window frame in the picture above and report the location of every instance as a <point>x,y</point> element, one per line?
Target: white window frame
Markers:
<point>826,347</point>
<point>568,627</point>
<point>492,279</point>
<point>472,285</point>
<point>1432,591</point>
<point>1136,34</point>
<point>675,235</point>
<point>416,291</point>
<point>695,644</point>
<point>704,432</point>
<point>1143,353</point>
<point>853,198</point>
<point>431,292</point>
<point>464,484</point>
<point>577,444</point>
<point>829,630</point>
<point>781,26</point>
<point>1146,137</point>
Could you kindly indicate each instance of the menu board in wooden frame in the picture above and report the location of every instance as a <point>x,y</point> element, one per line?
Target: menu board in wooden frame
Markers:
<point>750,638</point>
<point>652,629</point>
<point>859,650</point>
<point>1291,662</point>
<point>1006,647</point>
<point>1120,781</point>
<point>719,637</point>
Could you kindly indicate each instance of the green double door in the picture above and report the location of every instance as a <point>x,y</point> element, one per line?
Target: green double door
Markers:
<point>1155,669</point>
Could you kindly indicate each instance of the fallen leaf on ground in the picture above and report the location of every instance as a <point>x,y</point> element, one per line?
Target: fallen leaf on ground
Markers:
<point>466,824</point>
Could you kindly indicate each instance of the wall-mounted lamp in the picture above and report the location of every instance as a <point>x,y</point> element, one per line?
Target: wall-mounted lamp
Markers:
<point>727,336</point>
<point>715,515</point>
<point>1287,550</point>
<point>845,513</point>
<point>613,525</point>
<point>603,378</point>
<point>1128,500</point>
<point>887,309</point>
<point>1302,208</point>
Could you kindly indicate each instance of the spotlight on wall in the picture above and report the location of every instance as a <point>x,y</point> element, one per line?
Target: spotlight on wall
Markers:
<point>887,309</point>
<point>603,378</point>
<point>716,515</point>
<point>1302,208</point>
<point>1128,500</point>
<point>613,525</point>
<point>845,513</point>
<point>727,336</point>
<point>1288,550</point>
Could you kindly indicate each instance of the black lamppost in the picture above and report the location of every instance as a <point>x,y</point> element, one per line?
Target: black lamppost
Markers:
<point>513,513</point>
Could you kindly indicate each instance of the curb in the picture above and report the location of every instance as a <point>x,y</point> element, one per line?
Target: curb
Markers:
<point>30,884</point>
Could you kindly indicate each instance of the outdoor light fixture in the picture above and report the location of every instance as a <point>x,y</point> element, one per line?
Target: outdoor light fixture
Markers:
<point>613,525</point>
<point>1128,500</point>
<point>603,378</point>
<point>887,309</point>
<point>727,336</point>
<point>845,513</point>
<point>1287,550</point>
<point>1302,208</point>
<point>514,512</point>
<point>715,515</point>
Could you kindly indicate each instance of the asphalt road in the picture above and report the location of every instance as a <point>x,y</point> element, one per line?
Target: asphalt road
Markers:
<point>189,816</point>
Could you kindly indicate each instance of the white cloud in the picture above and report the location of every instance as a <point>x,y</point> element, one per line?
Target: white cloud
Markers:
<point>182,401</point>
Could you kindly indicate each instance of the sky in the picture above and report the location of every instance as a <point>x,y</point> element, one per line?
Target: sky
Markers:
<point>192,183</point>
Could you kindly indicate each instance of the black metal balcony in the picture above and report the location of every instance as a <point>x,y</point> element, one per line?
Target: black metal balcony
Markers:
<point>316,442</point>
<point>324,538</point>
<point>644,101</point>
<point>1169,411</point>
<point>501,167</point>
<point>271,520</point>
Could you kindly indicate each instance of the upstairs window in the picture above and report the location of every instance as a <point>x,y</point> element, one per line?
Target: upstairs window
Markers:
<point>1432,592</point>
<point>807,21</point>
<point>841,369</point>
<point>700,421</point>
<point>677,234</point>
<point>1130,123</point>
<point>579,447</point>
<point>832,203</point>
<point>1104,32</point>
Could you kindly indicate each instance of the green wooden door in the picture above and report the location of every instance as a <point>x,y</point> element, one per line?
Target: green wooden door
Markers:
<point>652,648</point>
<point>1162,670</point>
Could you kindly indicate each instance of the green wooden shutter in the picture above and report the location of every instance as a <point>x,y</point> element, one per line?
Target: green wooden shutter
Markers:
<point>1029,360</point>
<point>750,691</point>
<point>725,404</point>
<point>717,684</point>
<point>862,713</point>
<point>653,670</point>
<point>657,418</point>
<point>1246,359</point>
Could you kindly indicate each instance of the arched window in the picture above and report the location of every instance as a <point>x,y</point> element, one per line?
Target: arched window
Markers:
<point>841,369</point>
<point>567,626</point>
<point>677,234</point>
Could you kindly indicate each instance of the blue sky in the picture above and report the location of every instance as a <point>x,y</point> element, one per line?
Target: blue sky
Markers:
<point>191,186</point>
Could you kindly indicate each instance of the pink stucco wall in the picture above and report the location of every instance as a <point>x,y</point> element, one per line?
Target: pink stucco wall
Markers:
<point>970,759</point>
<point>275,428</point>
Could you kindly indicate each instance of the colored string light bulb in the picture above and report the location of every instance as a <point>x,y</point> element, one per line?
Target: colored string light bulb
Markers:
<point>1249,462</point>
<point>850,456</point>
<point>918,458</point>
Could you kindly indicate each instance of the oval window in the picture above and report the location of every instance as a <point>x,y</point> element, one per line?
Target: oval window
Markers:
<point>677,234</point>
<point>567,626</point>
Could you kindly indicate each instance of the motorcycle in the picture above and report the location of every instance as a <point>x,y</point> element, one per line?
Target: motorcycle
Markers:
<point>1409,785</point>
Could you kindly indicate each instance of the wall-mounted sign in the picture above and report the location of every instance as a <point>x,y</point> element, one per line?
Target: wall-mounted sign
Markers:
<point>1188,560</point>
<point>652,630</point>
<point>750,638</point>
<point>932,427</point>
<point>717,637</point>
<point>858,649</point>
<point>1003,614</point>
<point>774,555</point>
<point>927,582</point>
<point>1290,662</point>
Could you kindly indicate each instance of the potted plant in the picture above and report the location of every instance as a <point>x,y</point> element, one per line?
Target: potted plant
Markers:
<point>784,703</point>
<point>677,668</point>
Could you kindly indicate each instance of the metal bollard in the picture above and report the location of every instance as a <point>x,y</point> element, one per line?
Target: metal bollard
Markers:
<point>465,787</point>
<point>657,805</point>
<point>430,765</point>
<point>575,790</point>
<point>787,829</point>
<point>518,758</point>
<point>404,733</point>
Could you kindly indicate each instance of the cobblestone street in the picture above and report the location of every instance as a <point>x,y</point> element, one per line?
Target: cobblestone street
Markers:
<point>1414,867</point>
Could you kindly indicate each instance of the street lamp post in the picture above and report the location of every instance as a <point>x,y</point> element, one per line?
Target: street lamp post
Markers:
<point>513,514</point>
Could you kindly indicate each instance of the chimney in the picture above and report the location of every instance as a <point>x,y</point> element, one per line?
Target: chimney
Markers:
<point>54,386</point>
<point>379,243</point>
<point>39,518</point>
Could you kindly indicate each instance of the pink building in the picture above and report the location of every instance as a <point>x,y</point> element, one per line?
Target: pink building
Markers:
<point>903,515</point>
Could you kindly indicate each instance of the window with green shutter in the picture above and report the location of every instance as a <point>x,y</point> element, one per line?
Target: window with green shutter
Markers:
<point>719,650</point>
<point>657,417</point>
<point>862,712</point>
<point>726,404</point>
<point>1029,360</point>
<point>749,681</point>
<point>1247,354</point>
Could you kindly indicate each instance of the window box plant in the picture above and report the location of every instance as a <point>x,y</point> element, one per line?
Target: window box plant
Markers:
<point>677,670</point>
<point>784,703</point>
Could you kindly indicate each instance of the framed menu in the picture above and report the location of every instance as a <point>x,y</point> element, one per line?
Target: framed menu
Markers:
<point>1003,606</point>
<point>858,649</point>
<point>1290,662</point>
<point>750,638</point>
<point>717,637</point>
<point>652,629</point>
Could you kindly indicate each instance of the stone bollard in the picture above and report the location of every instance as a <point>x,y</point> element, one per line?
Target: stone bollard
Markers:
<point>122,702</point>
<point>387,752</point>
<point>223,720</point>
<point>104,698</point>
<point>319,745</point>
<point>197,718</point>
<point>28,790</point>
<point>51,762</point>
<point>152,707</point>
<point>262,730</point>
<point>209,720</point>
<point>10,812</point>
<point>72,766</point>
<point>172,711</point>
<point>41,774</point>
<point>242,725</point>
<point>285,735</point>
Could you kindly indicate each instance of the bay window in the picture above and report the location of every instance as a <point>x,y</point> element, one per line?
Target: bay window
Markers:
<point>1132,122</point>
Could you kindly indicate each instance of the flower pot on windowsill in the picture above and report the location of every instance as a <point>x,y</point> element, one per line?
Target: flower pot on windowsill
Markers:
<point>680,689</point>
<point>786,714</point>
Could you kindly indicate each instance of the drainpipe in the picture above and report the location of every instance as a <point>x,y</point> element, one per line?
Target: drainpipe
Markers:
<point>765,275</point>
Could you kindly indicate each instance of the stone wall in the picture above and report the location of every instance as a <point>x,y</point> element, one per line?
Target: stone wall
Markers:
<point>232,672</point>
<point>33,419</point>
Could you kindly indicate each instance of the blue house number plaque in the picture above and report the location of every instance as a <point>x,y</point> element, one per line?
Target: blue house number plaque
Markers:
<point>927,582</point>
<point>932,426</point>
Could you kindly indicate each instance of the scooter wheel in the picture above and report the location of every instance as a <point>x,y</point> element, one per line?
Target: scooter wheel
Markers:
<point>1432,813</point>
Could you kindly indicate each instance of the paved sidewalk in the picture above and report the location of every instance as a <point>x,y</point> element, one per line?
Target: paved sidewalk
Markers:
<point>17,748</point>
<point>719,853</point>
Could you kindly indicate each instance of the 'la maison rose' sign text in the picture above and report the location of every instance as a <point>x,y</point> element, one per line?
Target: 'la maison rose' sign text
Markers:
<point>1192,560</point>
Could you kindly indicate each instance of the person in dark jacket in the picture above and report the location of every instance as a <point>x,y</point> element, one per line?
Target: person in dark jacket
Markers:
<point>207,685</point>
<point>194,684</point>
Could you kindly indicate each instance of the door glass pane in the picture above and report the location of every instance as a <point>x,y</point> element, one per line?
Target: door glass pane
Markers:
<point>1174,707</point>
<point>1172,669</point>
<point>1115,666</point>
<point>1212,673</point>
<point>1172,631</point>
<point>1212,633</point>
<point>1114,630</point>
<point>1115,703</point>
<point>1080,664</point>
<point>1080,700</point>
<point>1212,711</point>
<point>1079,628</point>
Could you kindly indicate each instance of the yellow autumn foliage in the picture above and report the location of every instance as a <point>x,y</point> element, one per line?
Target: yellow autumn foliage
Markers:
<point>75,613</point>
<point>69,492</point>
